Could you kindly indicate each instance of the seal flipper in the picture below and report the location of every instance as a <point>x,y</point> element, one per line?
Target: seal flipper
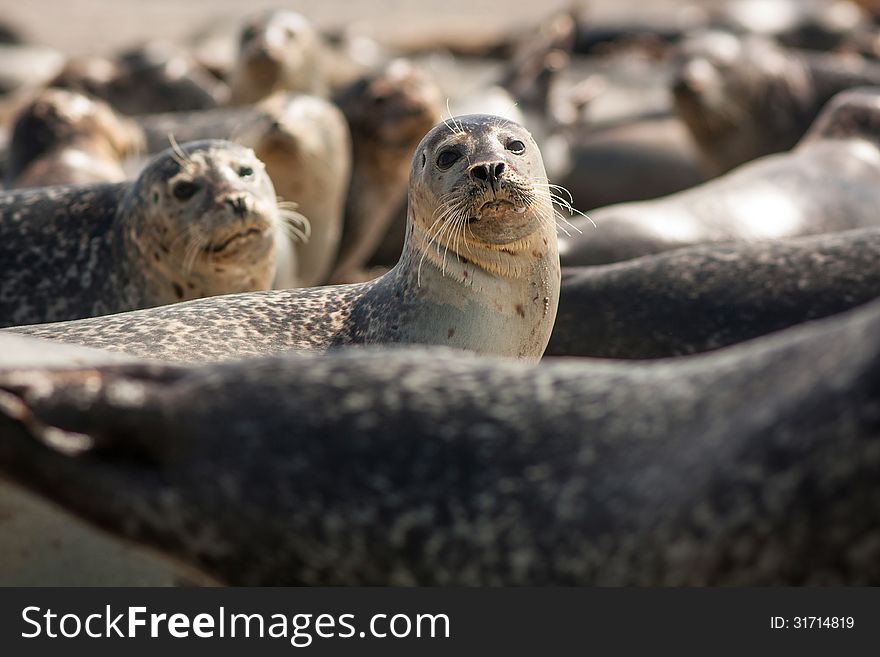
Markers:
<point>120,423</point>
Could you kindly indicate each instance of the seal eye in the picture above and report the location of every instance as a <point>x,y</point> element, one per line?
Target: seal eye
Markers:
<point>447,158</point>
<point>184,190</point>
<point>245,172</point>
<point>516,147</point>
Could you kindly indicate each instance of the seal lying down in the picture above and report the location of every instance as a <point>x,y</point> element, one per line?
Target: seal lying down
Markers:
<point>754,465</point>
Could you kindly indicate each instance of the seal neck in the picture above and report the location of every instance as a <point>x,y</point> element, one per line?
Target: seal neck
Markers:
<point>502,303</point>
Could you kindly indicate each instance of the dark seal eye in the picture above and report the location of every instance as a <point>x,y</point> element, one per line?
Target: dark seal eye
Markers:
<point>516,147</point>
<point>245,172</point>
<point>184,190</point>
<point>447,158</point>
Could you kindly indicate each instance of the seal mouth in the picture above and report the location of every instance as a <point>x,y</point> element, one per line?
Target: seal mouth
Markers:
<point>495,209</point>
<point>239,236</point>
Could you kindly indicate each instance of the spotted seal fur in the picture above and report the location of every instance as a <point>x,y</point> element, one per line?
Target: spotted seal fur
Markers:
<point>755,465</point>
<point>707,297</point>
<point>198,221</point>
<point>479,271</point>
<point>828,183</point>
<point>63,137</point>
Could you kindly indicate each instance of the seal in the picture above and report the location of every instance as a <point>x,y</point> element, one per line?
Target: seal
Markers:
<point>706,297</point>
<point>279,50</point>
<point>388,112</point>
<point>305,144</point>
<point>479,271</point>
<point>827,183</point>
<point>42,545</point>
<point>63,137</point>
<point>156,78</point>
<point>197,222</point>
<point>743,98</point>
<point>721,469</point>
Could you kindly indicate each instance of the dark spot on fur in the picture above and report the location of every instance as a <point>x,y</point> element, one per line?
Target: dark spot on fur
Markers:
<point>450,333</point>
<point>178,291</point>
<point>545,241</point>
<point>190,285</point>
<point>155,256</point>
<point>536,254</point>
<point>520,310</point>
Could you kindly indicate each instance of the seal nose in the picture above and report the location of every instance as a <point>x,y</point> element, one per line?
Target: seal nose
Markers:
<point>239,206</point>
<point>488,172</point>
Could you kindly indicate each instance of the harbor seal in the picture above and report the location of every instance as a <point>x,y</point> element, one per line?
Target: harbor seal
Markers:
<point>305,144</point>
<point>479,271</point>
<point>279,50</point>
<point>755,465</point>
<point>388,112</point>
<point>156,78</point>
<point>828,183</point>
<point>198,221</point>
<point>743,98</point>
<point>63,137</point>
<point>706,297</point>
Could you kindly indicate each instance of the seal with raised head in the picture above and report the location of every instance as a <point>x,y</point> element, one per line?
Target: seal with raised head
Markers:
<point>63,137</point>
<point>198,221</point>
<point>755,465</point>
<point>743,98</point>
<point>479,271</point>
<point>828,183</point>
<point>279,50</point>
<point>388,112</point>
<point>304,142</point>
<point>706,297</point>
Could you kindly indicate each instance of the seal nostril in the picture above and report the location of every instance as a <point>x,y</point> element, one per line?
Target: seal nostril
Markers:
<point>498,170</point>
<point>238,205</point>
<point>480,172</point>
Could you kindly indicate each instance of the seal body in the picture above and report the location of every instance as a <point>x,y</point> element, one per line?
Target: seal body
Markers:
<point>828,183</point>
<point>197,222</point>
<point>706,297</point>
<point>745,98</point>
<point>721,469</point>
<point>388,113</point>
<point>479,271</point>
<point>305,144</point>
<point>63,137</point>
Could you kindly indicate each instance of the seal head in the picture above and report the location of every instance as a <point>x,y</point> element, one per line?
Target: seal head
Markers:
<point>278,50</point>
<point>202,220</point>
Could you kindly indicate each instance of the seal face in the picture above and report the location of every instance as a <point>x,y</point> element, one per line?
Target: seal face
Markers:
<point>198,221</point>
<point>278,50</point>
<point>492,291</point>
<point>64,137</point>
